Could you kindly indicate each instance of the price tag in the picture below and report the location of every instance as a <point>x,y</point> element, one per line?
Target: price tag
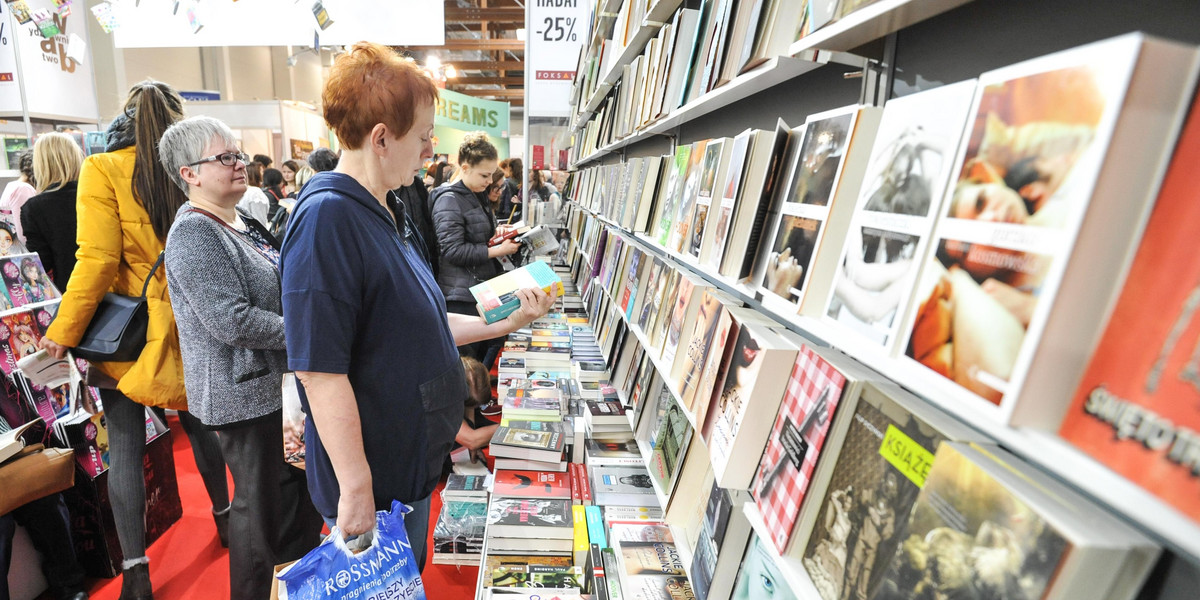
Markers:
<point>906,455</point>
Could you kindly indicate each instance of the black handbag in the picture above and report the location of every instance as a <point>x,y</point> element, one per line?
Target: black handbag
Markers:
<point>117,332</point>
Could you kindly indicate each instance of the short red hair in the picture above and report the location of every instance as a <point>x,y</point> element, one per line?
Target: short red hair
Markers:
<point>372,84</point>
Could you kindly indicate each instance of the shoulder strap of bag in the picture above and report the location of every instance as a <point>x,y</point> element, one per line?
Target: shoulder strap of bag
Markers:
<point>158,263</point>
<point>237,234</point>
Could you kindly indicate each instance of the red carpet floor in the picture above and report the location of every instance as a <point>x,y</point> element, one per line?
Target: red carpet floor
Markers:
<point>187,562</point>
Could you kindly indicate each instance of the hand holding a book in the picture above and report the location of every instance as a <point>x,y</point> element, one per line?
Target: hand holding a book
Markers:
<point>535,302</point>
<point>504,248</point>
<point>55,349</point>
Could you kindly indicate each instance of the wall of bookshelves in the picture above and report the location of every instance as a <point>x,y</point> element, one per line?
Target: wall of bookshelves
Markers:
<point>923,45</point>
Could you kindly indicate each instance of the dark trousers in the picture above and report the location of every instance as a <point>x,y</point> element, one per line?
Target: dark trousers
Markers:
<point>47,522</point>
<point>300,523</point>
<point>126,422</point>
<point>254,453</point>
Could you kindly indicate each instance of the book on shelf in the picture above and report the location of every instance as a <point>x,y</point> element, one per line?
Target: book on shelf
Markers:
<point>670,195</point>
<point>532,405</point>
<point>872,480</point>
<point>717,156</point>
<point>1039,536</point>
<point>721,543</point>
<point>686,203</point>
<point>723,199</point>
<point>1017,248</point>
<point>654,169</point>
<point>670,448</point>
<point>537,576</point>
<point>814,414</point>
<point>760,576</point>
<point>624,486</point>
<point>614,512</point>
<point>684,307</point>
<point>530,518</point>
<point>459,531</point>
<point>639,531</point>
<point>497,298</point>
<point>901,195</point>
<point>777,30</point>
<point>579,550</point>
<point>1139,367</point>
<point>801,256</point>
<point>659,317</point>
<point>767,153</point>
<point>530,484</point>
<point>597,577</point>
<point>605,412</point>
<point>696,343</point>
<point>597,531</point>
<point>650,570</point>
<point>758,371</point>
<point>521,464</point>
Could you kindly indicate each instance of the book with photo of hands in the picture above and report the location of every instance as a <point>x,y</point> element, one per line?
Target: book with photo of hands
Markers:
<point>530,518</point>
<point>897,205</point>
<point>623,486</point>
<point>817,204</point>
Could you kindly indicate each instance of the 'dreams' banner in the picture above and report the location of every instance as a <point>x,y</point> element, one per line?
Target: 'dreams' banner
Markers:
<point>459,114</point>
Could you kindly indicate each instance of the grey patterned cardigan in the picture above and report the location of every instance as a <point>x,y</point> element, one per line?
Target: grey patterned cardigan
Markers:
<point>228,310</point>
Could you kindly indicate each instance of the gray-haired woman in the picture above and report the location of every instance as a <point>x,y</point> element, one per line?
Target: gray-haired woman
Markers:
<point>222,268</point>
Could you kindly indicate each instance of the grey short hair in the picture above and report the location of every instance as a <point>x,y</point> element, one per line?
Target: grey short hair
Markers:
<point>185,142</point>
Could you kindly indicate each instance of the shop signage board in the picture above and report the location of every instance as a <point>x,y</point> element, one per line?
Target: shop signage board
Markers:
<point>458,114</point>
<point>555,31</point>
<point>292,23</point>
<point>57,86</point>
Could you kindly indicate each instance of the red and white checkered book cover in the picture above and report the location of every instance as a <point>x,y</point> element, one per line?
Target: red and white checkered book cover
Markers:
<point>813,393</point>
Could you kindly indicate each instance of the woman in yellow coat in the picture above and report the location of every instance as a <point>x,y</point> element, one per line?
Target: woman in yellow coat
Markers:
<point>126,204</point>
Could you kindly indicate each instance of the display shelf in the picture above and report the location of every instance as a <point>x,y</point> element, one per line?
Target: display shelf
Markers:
<point>647,457</point>
<point>641,37</point>
<point>677,534</point>
<point>664,370</point>
<point>769,74</point>
<point>870,23</point>
<point>792,570</point>
<point>1044,450</point>
<point>661,11</point>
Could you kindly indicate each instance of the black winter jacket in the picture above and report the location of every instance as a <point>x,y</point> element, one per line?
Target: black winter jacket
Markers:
<point>464,223</point>
<point>48,220</point>
<point>419,208</point>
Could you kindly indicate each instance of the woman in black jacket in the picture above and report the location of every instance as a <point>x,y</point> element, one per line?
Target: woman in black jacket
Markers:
<point>463,220</point>
<point>48,219</point>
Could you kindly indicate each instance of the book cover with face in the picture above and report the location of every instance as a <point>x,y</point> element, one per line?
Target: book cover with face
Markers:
<point>812,181</point>
<point>1035,139</point>
<point>759,578</point>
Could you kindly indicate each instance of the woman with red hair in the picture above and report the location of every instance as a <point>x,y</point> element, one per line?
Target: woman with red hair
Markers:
<point>367,330</point>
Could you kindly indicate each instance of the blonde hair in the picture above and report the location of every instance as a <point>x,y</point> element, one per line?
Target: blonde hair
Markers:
<point>303,174</point>
<point>56,161</point>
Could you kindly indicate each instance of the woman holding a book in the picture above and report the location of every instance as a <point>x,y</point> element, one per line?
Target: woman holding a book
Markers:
<point>367,329</point>
<point>464,222</point>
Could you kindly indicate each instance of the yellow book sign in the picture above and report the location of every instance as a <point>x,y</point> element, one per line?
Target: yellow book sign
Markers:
<point>906,455</point>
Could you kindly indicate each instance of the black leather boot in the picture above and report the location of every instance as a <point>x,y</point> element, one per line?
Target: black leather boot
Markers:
<point>135,583</point>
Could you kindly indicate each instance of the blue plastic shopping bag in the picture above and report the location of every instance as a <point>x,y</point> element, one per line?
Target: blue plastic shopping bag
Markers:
<point>385,570</point>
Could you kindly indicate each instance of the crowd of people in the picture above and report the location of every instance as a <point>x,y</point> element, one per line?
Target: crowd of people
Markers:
<point>353,278</point>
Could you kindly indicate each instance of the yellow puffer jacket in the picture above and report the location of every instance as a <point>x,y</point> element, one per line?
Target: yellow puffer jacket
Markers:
<point>117,248</point>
